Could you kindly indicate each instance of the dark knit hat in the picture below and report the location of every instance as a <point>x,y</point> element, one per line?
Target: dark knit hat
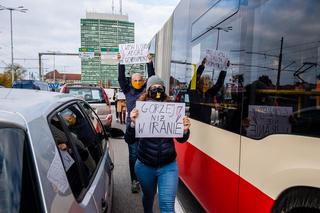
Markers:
<point>154,80</point>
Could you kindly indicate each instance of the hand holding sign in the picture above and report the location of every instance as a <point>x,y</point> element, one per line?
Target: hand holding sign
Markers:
<point>186,124</point>
<point>134,114</point>
<point>118,56</point>
<point>150,57</point>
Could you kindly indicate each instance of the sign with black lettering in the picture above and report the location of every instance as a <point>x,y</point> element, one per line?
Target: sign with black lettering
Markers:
<point>217,60</point>
<point>267,120</point>
<point>133,53</point>
<point>159,119</point>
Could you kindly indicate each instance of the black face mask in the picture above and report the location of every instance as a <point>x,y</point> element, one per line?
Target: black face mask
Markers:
<point>157,93</point>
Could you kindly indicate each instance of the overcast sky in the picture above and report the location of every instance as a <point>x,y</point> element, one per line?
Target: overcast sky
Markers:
<point>54,25</point>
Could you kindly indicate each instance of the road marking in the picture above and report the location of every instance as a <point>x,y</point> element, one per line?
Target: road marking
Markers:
<point>177,206</point>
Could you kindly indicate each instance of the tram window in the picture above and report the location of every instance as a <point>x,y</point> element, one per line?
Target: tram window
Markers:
<point>219,11</point>
<point>214,94</point>
<point>289,104</point>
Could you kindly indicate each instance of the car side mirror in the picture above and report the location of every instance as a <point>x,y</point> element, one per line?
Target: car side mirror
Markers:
<point>115,132</point>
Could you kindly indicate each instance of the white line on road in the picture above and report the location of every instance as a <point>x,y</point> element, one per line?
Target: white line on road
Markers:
<point>177,206</point>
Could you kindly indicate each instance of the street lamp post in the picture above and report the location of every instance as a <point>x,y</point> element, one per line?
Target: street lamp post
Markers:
<point>18,9</point>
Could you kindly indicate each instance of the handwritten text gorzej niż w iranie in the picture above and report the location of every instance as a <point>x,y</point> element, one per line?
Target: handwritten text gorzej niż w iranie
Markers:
<point>159,119</point>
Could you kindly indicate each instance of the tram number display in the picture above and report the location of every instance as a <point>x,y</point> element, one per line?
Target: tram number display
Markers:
<point>159,119</point>
<point>267,120</point>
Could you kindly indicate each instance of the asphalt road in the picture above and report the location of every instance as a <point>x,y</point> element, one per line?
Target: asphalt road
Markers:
<point>123,200</point>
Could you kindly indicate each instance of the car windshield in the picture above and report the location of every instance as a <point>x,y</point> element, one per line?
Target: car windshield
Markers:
<point>91,95</point>
<point>11,155</point>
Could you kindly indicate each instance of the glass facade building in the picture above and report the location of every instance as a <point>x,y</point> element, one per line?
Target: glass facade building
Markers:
<point>100,30</point>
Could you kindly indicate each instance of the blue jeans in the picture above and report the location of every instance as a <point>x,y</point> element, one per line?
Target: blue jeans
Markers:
<point>132,159</point>
<point>165,177</point>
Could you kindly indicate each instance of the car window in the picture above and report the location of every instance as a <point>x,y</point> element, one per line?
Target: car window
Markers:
<point>97,125</point>
<point>11,155</point>
<point>78,145</point>
<point>91,95</point>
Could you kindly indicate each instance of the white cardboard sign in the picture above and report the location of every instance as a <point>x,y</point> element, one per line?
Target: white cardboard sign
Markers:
<point>159,119</point>
<point>216,59</point>
<point>67,160</point>
<point>133,53</point>
<point>56,174</point>
<point>267,120</point>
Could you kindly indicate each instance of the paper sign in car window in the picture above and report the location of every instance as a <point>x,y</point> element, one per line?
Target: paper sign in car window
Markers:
<point>56,174</point>
<point>95,94</point>
<point>67,160</point>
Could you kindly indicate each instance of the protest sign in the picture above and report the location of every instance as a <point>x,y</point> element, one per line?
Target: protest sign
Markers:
<point>267,120</point>
<point>57,175</point>
<point>133,53</point>
<point>217,60</point>
<point>159,119</point>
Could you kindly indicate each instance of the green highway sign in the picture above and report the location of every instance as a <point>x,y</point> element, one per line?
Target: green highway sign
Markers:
<point>86,49</point>
<point>109,49</point>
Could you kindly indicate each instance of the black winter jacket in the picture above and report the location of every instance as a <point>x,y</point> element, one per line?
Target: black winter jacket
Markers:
<point>155,152</point>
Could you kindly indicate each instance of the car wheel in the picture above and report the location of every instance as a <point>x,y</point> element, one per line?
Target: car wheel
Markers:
<point>298,199</point>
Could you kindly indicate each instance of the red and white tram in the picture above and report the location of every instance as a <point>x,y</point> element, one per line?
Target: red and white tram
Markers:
<point>259,152</point>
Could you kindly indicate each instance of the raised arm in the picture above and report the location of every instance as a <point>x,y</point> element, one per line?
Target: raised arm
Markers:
<point>123,82</point>
<point>150,67</point>
<point>217,86</point>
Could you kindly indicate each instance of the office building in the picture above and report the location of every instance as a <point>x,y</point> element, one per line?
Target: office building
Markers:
<point>104,32</point>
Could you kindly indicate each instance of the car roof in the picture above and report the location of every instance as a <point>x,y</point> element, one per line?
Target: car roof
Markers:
<point>21,106</point>
<point>82,85</point>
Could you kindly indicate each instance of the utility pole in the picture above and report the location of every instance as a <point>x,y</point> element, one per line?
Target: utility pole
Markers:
<point>18,9</point>
<point>12,71</point>
<point>112,6</point>
<point>279,65</point>
<point>120,7</point>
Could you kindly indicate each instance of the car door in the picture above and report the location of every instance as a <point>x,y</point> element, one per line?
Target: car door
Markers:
<point>82,157</point>
<point>107,165</point>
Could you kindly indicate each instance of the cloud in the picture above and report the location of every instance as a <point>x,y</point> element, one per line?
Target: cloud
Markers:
<point>55,25</point>
<point>148,18</point>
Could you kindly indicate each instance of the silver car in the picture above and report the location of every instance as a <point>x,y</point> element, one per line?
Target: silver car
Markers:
<point>55,155</point>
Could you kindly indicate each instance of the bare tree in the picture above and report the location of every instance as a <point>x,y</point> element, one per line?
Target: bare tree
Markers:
<point>5,77</point>
<point>19,71</point>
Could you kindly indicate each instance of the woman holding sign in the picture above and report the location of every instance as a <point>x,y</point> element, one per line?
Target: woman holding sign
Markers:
<point>132,91</point>
<point>156,165</point>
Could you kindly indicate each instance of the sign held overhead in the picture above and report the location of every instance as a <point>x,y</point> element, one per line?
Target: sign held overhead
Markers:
<point>133,53</point>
